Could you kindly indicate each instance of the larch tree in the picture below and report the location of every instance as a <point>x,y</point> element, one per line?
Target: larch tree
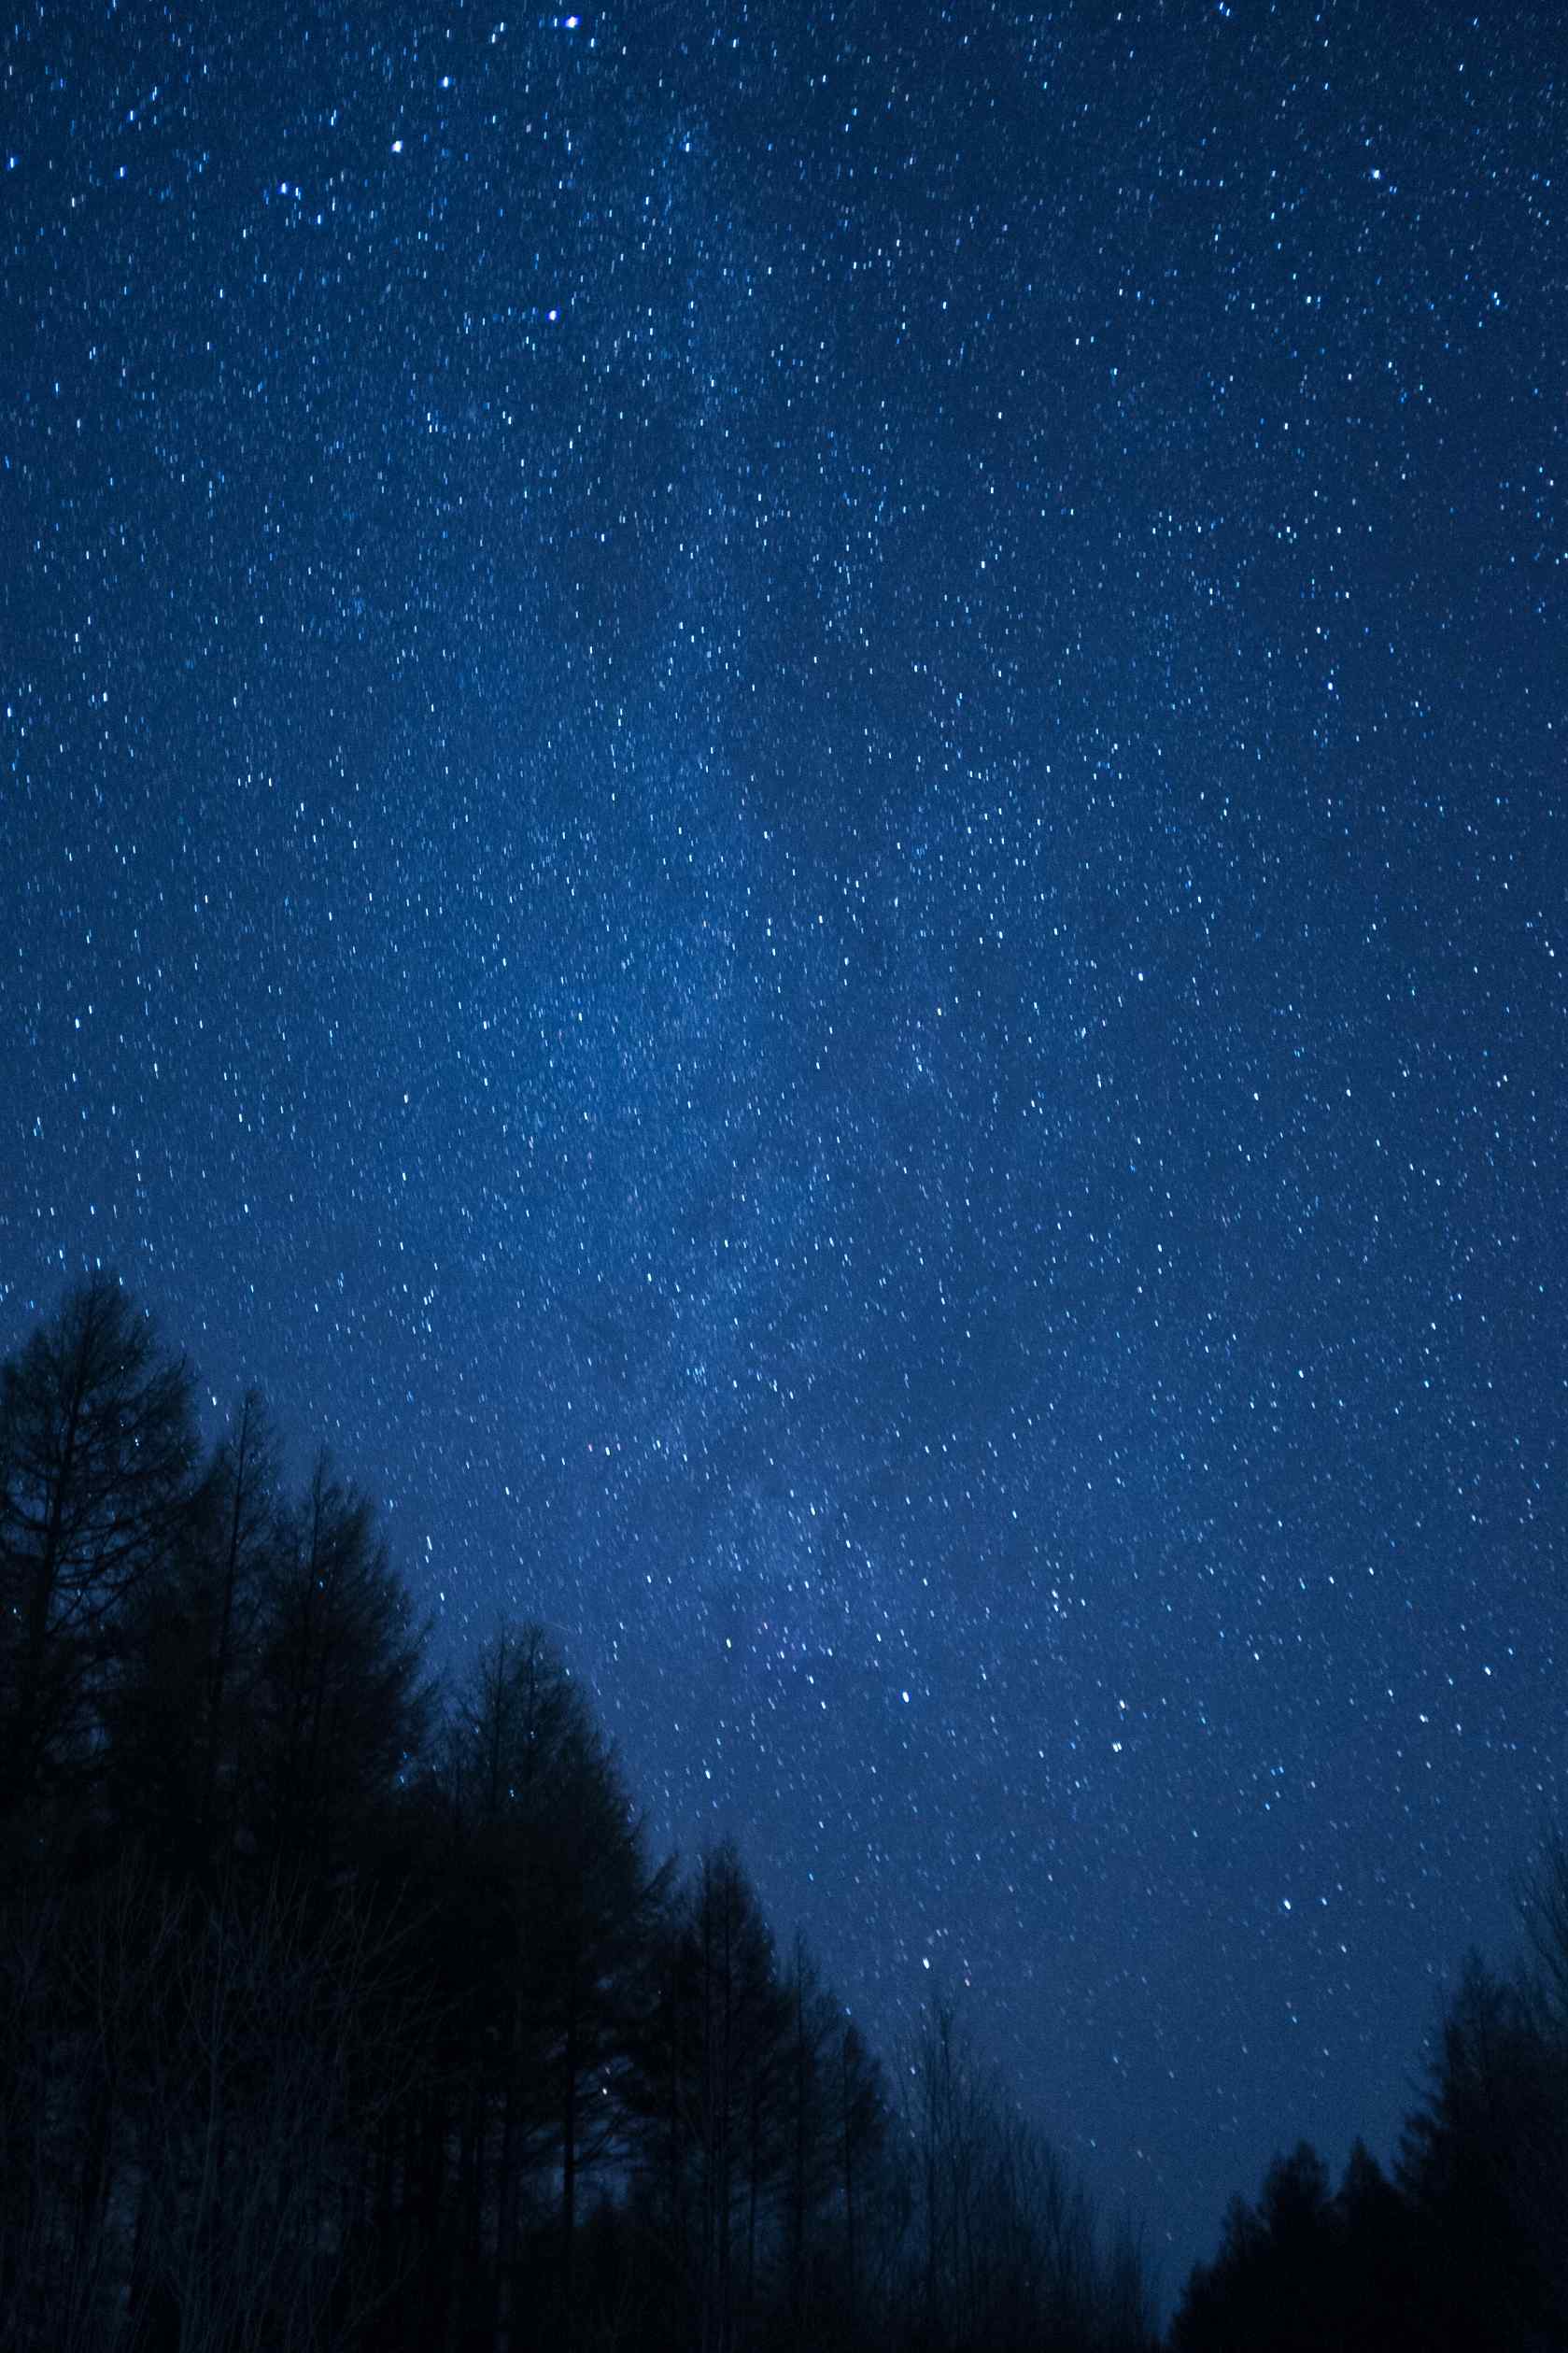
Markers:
<point>711,2089</point>
<point>97,1450</point>
<point>552,1875</point>
<point>184,1719</point>
<point>342,1705</point>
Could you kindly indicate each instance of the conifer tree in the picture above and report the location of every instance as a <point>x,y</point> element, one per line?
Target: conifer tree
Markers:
<point>552,1899</point>
<point>97,1445</point>
<point>342,1705</point>
<point>711,2093</point>
<point>183,1722</point>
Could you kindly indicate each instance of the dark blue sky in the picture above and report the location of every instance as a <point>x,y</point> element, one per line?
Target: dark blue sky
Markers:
<point>782,803</point>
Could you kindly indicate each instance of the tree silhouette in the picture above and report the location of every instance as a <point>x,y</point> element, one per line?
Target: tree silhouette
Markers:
<point>1002,2248</point>
<point>342,1704</point>
<point>552,1898</point>
<point>97,1445</point>
<point>1481,2161</point>
<point>183,1724</point>
<point>710,2089</point>
<point>326,2023</point>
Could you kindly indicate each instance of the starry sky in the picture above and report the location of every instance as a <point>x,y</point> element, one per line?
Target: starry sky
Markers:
<point>780,800</point>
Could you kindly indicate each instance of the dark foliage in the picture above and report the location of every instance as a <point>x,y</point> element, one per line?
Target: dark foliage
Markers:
<point>97,1451</point>
<point>1466,2250</point>
<point>337,2012</point>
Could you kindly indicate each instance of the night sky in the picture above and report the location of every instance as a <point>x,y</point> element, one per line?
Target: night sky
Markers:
<point>782,802</point>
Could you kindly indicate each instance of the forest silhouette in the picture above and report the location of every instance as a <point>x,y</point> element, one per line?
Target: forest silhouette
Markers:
<point>345,2007</point>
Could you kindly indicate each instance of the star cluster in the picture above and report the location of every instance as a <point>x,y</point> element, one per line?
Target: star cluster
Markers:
<point>782,802</point>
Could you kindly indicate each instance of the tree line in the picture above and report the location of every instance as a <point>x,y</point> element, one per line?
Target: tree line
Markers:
<point>343,2006</point>
<point>1464,2247</point>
